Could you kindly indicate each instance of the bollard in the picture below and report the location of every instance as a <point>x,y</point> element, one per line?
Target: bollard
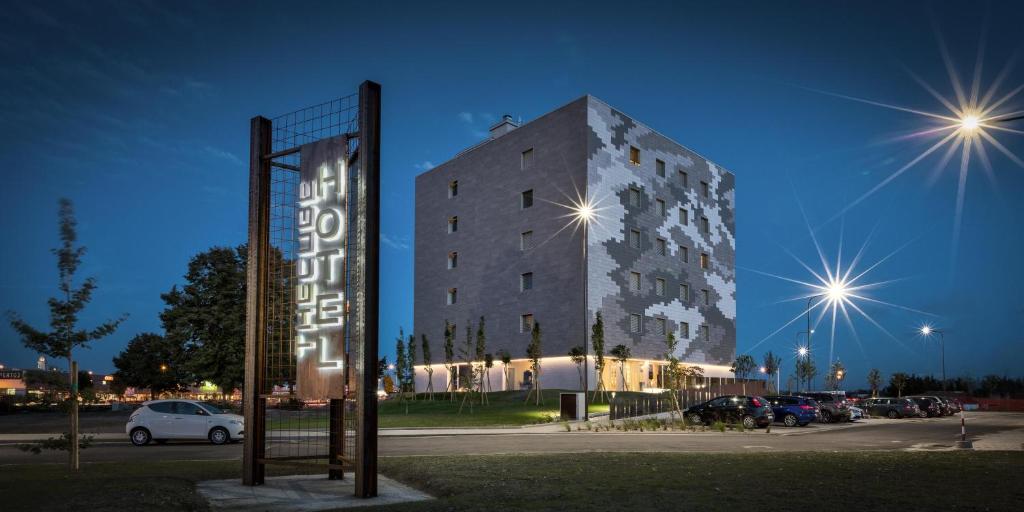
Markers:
<point>963,443</point>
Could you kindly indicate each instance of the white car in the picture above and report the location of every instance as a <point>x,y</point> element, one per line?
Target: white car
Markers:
<point>856,413</point>
<point>160,420</point>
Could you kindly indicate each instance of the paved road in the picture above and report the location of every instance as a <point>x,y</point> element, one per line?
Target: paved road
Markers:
<point>880,434</point>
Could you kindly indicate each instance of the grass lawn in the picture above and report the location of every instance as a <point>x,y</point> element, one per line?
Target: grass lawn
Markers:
<point>506,408</point>
<point>585,481</point>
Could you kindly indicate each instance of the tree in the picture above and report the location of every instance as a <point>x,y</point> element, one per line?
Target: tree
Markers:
<point>410,365</point>
<point>674,375</point>
<point>449,358</point>
<point>151,361</point>
<point>467,352</point>
<point>400,361</point>
<point>836,373</point>
<point>772,366</point>
<point>481,351</point>
<point>207,316</point>
<point>488,364</point>
<point>506,359</point>
<point>621,353</point>
<point>535,352</point>
<point>805,371</point>
<point>874,381</point>
<point>898,381</point>
<point>597,342</point>
<point>428,367</point>
<point>65,335</point>
<point>742,367</point>
<point>578,356</point>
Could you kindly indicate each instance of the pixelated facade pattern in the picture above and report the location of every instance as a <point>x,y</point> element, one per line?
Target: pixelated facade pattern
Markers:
<point>472,207</point>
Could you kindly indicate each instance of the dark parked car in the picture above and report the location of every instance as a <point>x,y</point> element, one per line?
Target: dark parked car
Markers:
<point>891,407</point>
<point>833,405</point>
<point>929,406</point>
<point>793,411</point>
<point>752,411</point>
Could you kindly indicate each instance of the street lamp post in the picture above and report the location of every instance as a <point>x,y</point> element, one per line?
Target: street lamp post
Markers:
<point>927,331</point>
<point>586,320</point>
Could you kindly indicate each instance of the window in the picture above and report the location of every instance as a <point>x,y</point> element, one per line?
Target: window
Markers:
<point>526,323</point>
<point>634,238</point>
<point>164,407</point>
<point>684,216</point>
<point>684,179</point>
<point>453,224</point>
<point>705,332</point>
<point>659,168</point>
<point>705,190</point>
<point>705,260</point>
<point>527,159</point>
<point>705,296</point>
<point>662,247</point>
<point>634,155</point>
<point>684,292</point>
<point>453,296</point>
<point>634,323</point>
<point>634,281</point>
<point>634,196</point>
<point>684,253</point>
<point>684,330</point>
<point>526,199</point>
<point>453,188</point>
<point>186,408</point>
<point>660,205</point>
<point>453,259</point>
<point>705,226</point>
<point>659,287</point>
<point>526,240</point>
<point>526,281</point>
<point>659,326</point>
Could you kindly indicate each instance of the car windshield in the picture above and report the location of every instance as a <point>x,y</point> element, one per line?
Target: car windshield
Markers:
<point>213,409</point>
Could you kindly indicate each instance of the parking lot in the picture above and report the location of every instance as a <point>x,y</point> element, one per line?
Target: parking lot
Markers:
<point>988,430</point>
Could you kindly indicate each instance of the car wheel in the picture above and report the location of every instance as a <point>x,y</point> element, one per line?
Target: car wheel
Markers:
<point>219,435</point>
<point>922,414</point>
<point>893,415</point>
<point>826,416</point>
<point>696,419</point>
<point>140,437</point>
<point>749,422</point>
<point>790,420</point>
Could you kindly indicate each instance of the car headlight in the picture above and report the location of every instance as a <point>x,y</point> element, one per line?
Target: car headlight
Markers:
<point>235,422</point>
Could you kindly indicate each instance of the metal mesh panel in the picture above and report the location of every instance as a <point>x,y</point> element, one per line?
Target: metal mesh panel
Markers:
<point>299,430</point>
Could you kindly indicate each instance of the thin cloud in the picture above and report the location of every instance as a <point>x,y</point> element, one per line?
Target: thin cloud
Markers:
<point>425,165</point>
<point>396,243</point>
<point>225,155</point>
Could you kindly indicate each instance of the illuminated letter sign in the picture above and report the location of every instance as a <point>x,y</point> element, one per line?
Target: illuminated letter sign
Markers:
<point>320,270</point>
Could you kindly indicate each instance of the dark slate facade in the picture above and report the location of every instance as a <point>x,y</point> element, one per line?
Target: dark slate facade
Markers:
<point>585,147</point>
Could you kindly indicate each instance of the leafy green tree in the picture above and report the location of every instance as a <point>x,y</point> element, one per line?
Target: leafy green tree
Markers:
<point>621,354</point>
<point>449,357</point>
<point>578,356</point>
<point>151,361</point>
<point>742,367</point>
<point>207,316</point>
<point>428,367</point>
<point>772,367</point>
<point>805,371</point>
<point>597,343</point>
<point>874,381</point>
<point>65,335</point>
<point>534,351</point>
<point>481,351</point>
<point>836,373</point>
<point>897,382</point>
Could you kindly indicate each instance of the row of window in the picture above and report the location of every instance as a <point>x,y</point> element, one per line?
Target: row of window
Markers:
<point>662,209</point>
<point>661,246</point>
<point>635,326</point>
<point>659,169</point>
<point>636,281</point>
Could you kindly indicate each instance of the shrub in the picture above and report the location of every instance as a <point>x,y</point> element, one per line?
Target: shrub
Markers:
<point>719,426</point>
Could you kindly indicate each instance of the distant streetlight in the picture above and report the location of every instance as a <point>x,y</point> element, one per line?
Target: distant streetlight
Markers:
<point>927,331</point>
<point>163,367</point>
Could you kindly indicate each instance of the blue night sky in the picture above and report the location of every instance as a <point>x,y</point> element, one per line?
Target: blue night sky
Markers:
<point>139,112</point>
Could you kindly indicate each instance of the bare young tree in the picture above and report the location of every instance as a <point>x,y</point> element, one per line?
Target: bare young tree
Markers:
<point>772,366</point>
<point>597,342</point>
<point>506,360</point>
<point>481,351</point>
<point>622,353</point>
<point>577,355</point>
<point>742,367</point>
<point>467,357</point>
<point>65,335</point>
<point>427,366</point>
<point>449,358</point>
<point>534,352</point>
<point>874,381</point>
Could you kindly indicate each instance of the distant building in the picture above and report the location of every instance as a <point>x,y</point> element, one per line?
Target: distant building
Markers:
<point>491,240</point>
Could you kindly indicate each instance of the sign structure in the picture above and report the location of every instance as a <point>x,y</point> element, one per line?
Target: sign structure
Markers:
<point>320,270</point>
<point>312,290</point>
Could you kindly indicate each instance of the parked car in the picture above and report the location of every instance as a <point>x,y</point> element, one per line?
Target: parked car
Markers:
<point>160,420</point>
<point>856,413</point>
<point>944,408</point>
<point>833,405</point>
<point>793,411</point>
<point>954,405</point>
<point>891,407</point>
<point>930,407</point>
<point>752,411</point>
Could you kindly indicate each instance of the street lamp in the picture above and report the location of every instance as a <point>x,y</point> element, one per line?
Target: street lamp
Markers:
<point>163,367</point>
<point>927,331</point>
<point>582,212</point>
